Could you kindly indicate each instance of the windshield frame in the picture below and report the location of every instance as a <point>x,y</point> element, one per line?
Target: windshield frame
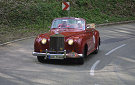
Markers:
<point>77,19</point>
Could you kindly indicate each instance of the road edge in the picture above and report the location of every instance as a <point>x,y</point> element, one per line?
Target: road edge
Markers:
<point>16,40</point>
<point>98,25</point>
<point>115,23</point>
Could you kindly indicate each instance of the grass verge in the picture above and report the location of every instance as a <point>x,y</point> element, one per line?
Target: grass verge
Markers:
<point>23,18</point>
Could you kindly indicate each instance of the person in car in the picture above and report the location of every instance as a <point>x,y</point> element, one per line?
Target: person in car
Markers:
<point>79,24</point>
<point>64,24</point>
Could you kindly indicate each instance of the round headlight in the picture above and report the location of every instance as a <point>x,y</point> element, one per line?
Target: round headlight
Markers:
<point>44,41</point>
<point>70,42</point>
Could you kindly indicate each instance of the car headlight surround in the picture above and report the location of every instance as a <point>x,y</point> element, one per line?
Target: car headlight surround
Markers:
<point>70,41</point>
<point>44,41</point>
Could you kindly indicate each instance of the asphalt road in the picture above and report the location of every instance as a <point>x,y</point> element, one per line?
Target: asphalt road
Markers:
<point>113,65</point>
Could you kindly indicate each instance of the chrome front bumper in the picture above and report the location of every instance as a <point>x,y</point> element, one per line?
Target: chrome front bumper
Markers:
<point>55,56</point>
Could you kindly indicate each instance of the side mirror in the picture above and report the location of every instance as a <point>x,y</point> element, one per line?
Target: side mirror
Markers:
<point>88,26</point>
<point>92,25</point>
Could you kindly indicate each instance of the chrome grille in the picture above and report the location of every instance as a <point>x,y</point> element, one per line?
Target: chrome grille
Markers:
<point>57,42</point>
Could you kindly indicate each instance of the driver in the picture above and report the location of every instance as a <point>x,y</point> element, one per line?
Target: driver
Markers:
<point>79,24</point>
<point>64,24</point>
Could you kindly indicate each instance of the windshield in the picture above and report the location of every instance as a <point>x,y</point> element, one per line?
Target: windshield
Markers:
<point>68,23</point>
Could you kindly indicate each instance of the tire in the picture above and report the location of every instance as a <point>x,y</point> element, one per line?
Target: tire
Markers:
<point>97,49</point>
<point>81,60</point>
<point>41,59</point>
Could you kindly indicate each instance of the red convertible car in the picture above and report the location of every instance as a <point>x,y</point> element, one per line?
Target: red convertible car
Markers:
<point>68,38</point>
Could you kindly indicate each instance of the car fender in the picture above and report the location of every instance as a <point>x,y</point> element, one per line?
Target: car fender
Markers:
<point>82,42</point>
<point>97,38</point>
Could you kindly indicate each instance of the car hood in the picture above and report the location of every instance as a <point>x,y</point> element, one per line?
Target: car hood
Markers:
<point>66,32</point>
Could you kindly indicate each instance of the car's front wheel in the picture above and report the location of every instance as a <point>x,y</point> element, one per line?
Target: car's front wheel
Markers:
<point>81,60</point>
<point>41,59</point>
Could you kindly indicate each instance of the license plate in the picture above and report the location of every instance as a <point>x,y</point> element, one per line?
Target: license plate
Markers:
<point>55,57</point>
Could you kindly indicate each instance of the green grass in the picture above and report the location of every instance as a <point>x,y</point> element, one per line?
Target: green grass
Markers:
<point>31,17</point>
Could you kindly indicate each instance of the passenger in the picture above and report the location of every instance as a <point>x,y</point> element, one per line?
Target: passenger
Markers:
<point>79,24</point>
<point>64,24</point>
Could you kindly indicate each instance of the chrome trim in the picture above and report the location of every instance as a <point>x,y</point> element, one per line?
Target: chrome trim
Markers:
<point>46,54</point>
<point>80,54</point>
<point>65,53</point>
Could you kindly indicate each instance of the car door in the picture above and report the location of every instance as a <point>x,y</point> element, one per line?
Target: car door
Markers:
<point>90,42</point>
<point>93,38</point>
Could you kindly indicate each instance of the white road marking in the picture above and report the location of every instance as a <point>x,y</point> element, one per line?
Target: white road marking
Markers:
<point>93,68</point>
<point>114,49</point>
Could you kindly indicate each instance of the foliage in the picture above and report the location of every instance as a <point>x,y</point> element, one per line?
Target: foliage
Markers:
<point>36,15</point>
